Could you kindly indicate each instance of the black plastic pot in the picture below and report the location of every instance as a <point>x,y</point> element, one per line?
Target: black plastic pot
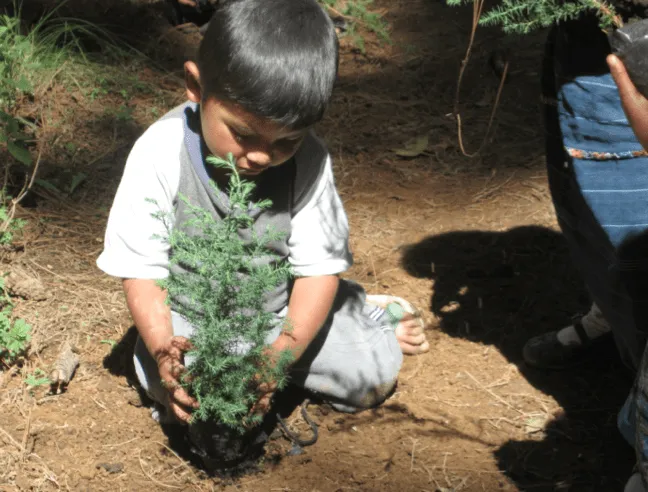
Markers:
<point>630,44</point>
<point>226,453</point>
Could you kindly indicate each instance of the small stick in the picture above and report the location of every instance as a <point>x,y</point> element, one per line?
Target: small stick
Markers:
<point>493,394</point>
<point>120,443</point>
<point>179,458</point>
<point>413,449</point>
<point>153,479</point>
<point>12,440</point>
<point>29,181</point>
<point>98,403</point>
<point>26,434</point>
<point>445,473</point>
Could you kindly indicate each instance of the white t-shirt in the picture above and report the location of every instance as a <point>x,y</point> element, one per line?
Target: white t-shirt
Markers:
<point>318,242</point>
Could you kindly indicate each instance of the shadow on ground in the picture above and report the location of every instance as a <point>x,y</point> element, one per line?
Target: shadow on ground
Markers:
<point>502,288</point>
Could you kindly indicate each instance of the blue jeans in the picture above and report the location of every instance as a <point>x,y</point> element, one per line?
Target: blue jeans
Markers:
<point>598,177</point>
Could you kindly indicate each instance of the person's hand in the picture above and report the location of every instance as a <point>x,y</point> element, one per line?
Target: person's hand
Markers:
<point>265,392</point>
<point>634,104</point>
<point>188,3</point>
<point>170,360</point>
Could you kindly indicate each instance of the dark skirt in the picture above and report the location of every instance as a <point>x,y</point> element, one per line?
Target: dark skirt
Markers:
<point>598,177</point>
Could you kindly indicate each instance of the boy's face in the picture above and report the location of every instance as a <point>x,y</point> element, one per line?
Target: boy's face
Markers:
<point>256,143</point>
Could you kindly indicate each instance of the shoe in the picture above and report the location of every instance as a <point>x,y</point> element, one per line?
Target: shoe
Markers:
<point>546,352</point>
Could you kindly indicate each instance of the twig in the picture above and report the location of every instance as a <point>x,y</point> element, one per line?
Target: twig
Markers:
<point>179,458</point>
<point>478,7</point>
<point>12,440</point>
<point>414,441</point>
<point>120,444</point>
<point>26,434</point>
<point>490,121</point>
<point>334,11</point>
<point>15,201</point>
<point>99,404</point>
<point>493,394</point>
<point>445,473</point>
<point>141,462</point>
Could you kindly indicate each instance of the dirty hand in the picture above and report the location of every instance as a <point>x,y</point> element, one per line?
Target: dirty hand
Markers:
<point>265,392</point>
<point>634,104</point>
<point>170,360</point>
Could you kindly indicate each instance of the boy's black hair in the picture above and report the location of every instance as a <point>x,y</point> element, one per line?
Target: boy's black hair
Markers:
<point>277,59</point>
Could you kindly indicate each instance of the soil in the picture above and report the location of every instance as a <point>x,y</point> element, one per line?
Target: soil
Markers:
<point>473,242</point>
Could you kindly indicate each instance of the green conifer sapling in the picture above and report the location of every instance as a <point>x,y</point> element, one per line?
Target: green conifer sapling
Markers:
<point>524,16</point>
<point>223,298</point>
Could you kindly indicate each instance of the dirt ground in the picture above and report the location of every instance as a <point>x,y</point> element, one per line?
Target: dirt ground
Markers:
<point>471,241</point>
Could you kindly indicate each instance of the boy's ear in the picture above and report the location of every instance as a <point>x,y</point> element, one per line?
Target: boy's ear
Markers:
<point>192,82</point>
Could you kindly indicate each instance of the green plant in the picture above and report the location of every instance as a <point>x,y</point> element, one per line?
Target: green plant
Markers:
<point>358,14</point>
<point>8,224</point>
<point>221,293</point>
<point>15,334</point>
<point>14,55</point>
<point>524,16</point>
<point>30,61</point>
<point>36,378</point>
<point>64,184</point>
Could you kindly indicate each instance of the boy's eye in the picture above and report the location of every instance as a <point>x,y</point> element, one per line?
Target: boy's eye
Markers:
<point>239,137</point>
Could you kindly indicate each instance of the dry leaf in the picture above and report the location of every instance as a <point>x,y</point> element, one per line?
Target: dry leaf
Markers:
<point>413,148</point>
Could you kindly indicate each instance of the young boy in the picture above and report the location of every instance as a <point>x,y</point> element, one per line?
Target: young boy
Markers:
<point>263,77</point>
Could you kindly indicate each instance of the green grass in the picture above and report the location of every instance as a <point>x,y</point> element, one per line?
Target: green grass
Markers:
<point>55,50</point>
<point>360,17</point>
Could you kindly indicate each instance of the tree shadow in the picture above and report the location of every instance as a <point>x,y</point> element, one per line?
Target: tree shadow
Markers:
<point>501,289</point>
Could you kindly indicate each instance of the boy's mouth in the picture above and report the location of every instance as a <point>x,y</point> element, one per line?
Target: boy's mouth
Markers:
<point>251,172</point>
<point>252,169</point>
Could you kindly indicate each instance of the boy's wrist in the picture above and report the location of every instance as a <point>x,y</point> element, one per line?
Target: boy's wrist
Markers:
<point>287,340</point>
<point>157,345</point>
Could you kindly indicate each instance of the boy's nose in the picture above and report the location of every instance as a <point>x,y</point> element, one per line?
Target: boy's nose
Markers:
<point>259,158</point>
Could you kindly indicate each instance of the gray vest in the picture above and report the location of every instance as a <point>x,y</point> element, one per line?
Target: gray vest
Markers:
<point>288,186</point>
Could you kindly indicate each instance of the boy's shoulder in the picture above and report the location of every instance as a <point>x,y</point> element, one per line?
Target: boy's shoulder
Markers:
<point>165,135</point>
<point>313,167</point>
<point>312,151</point>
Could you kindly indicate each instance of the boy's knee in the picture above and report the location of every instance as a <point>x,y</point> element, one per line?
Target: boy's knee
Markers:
<point>377,394</point>
<point>376,390</point>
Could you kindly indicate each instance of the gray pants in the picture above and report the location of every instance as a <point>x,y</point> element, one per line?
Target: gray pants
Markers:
<point>353,362</point>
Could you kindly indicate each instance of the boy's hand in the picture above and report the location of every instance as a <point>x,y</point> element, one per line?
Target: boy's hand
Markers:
<point>634,104</point>
<point>170,360</point>
<point>265,393</point>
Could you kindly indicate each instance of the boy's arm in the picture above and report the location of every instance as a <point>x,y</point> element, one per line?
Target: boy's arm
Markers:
<point>309,305</point>
<point>634,104</point>
<point>152,317</point>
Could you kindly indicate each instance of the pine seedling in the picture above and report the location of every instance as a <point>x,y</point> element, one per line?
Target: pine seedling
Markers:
<point>525,16</point>
<point>223,297</point>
